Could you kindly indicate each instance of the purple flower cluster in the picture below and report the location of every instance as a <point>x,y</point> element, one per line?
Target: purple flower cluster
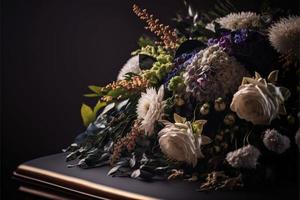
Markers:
<point>180,63</point>
<point>230,39</point>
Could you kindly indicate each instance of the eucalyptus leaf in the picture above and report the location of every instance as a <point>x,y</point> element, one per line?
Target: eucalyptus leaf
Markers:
<point>122,104</point>
<point>136,173</point>
<point>114,170</point>
<point>108,108</point>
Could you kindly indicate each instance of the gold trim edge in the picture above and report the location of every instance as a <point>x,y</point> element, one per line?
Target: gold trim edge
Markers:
<point>97,187</point>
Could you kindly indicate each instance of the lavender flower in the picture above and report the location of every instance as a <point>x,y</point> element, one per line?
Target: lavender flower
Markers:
<point>245,157</point>
<point>180,63</point>
<point>276,142</point>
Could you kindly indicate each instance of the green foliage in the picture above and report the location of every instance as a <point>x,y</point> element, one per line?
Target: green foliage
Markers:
<point>87,114</point>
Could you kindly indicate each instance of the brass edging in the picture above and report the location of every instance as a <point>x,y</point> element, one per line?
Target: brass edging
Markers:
<point>23,171</point>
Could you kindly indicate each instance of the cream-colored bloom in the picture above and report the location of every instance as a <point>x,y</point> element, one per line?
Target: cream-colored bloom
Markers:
<point>150,108</point>
<point>234,21</point>
<point>132,65</point>
<point>285,35</point>
<point>258,101</point>
<point>182,140</point>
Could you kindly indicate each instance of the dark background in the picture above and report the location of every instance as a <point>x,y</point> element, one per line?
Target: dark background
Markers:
<point>51,51</point>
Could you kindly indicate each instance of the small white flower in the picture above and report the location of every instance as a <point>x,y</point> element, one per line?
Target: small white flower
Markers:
<point>180,143</point>
<point>245,157</point>
<point>285,35</point>
<point>276,142</point>
<point>150,108</point>
<point>132,65</point>
<point>241,20</point>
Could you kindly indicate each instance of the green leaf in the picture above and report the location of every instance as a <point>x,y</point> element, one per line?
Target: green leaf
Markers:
<point>116,92</point>
<point>98,106</point>
<point>95,89</point>
<point>91,95</point>
<point>87,114</point>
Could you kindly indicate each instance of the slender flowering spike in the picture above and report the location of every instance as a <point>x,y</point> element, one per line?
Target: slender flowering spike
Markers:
<point>168,36</point>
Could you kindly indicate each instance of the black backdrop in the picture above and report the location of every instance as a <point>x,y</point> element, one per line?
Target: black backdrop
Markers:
<point>51,51</point>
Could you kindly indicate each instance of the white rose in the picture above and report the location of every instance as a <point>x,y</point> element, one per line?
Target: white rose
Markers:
<point>258,101</point>
<point>179,142</point>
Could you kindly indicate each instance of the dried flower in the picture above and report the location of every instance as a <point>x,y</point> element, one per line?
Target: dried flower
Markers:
<point>134,84</point>
<point>285,35</point>
<point>241,20</point>
<point>245,157</point>
<point>150,108</point>
<point>276,142</point>
<point>128,142</point>
<point>210,75</point>
<point>132,65</point>
<point>165,33</point>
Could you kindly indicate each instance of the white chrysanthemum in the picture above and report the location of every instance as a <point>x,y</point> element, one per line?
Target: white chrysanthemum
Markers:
<point>285,35</point>
<point>241,20</point>
<point>132,65</point>
<point>276,142</point>
<point>245,157</point>
<point>150,108</point>
<point>297,138</point>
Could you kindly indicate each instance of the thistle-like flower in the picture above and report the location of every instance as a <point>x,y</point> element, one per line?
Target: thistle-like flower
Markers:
<point>285,35</point>
<point>245,157</point>
<point>213,74</point>
<point>150,108</point>
<point>132,65</point>
<point>276,142</point>
<point>241,20</point>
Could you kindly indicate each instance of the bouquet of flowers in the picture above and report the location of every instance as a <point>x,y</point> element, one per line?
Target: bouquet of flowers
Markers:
<point>214,100</point>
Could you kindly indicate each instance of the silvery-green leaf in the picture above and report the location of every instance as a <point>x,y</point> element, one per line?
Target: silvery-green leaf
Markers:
<point>122,104</point>
<point>108,108</point>
<point>114,170</point>
<point>136,173</point>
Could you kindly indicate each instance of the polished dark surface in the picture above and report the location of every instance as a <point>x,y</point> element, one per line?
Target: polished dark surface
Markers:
<point>50,52</point>
<point>159,189</point>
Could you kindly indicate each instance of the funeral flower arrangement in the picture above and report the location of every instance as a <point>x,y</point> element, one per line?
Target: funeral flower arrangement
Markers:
<point>214,100</point>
